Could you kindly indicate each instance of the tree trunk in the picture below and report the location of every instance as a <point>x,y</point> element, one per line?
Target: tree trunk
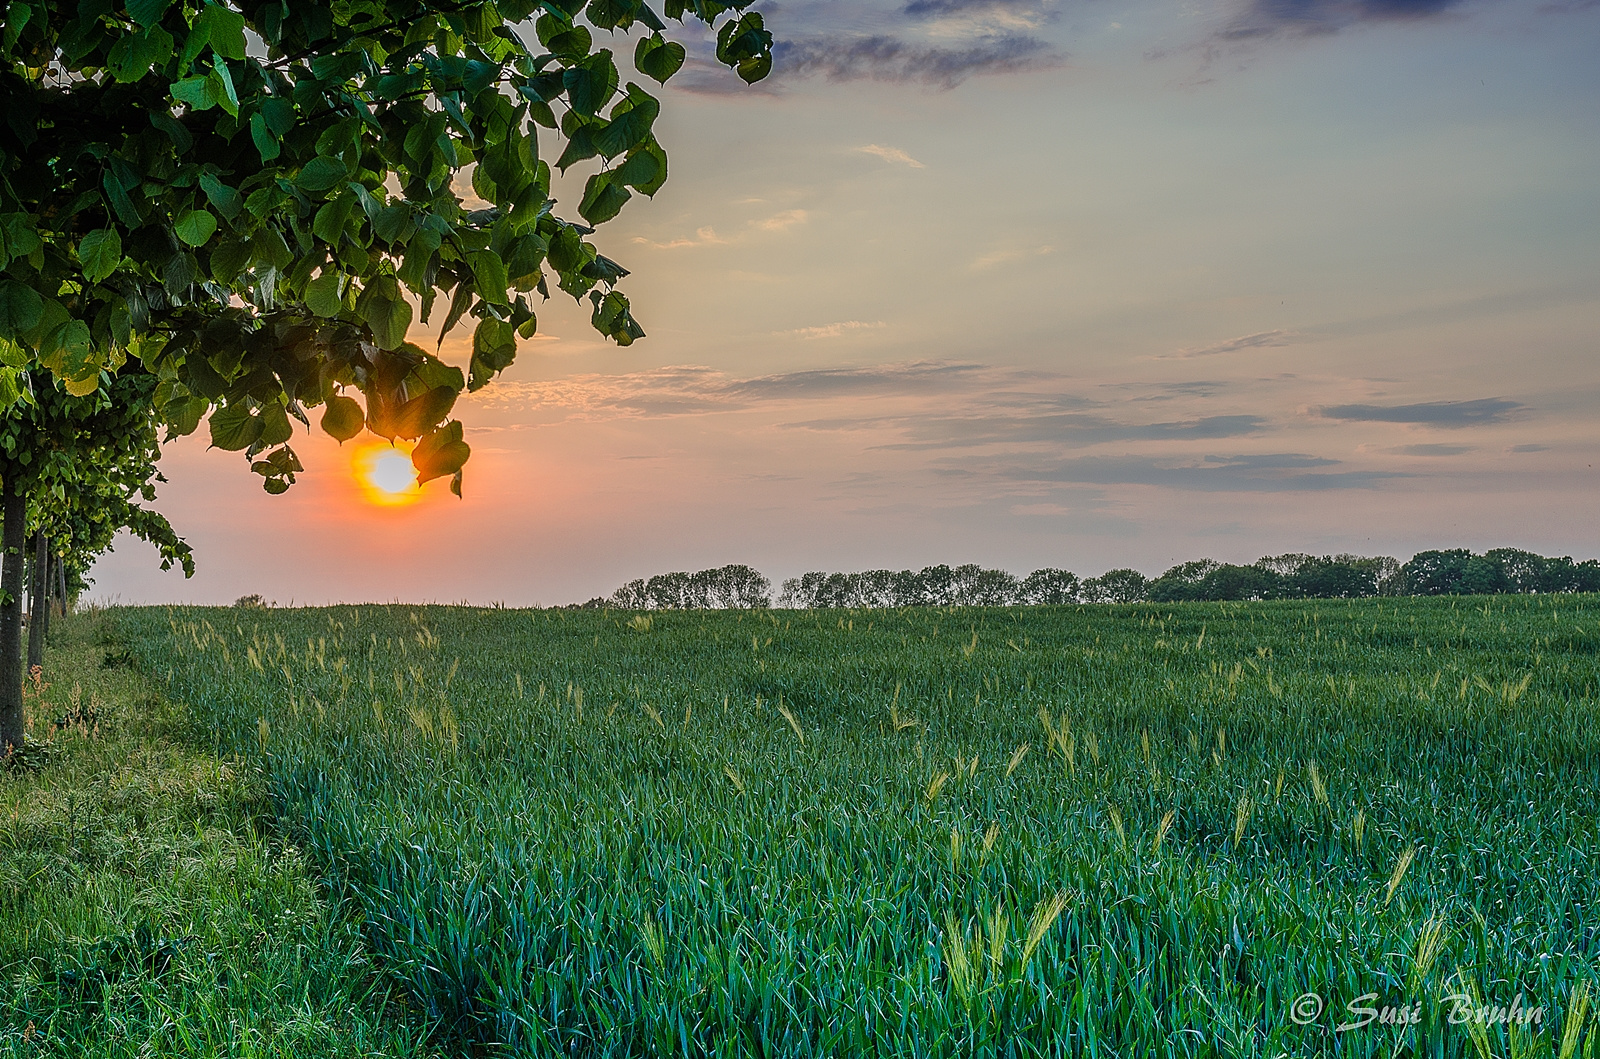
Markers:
<point>13,541</point>
<point>48,591</point>
<point>61,583</point>
<point>38,605</point>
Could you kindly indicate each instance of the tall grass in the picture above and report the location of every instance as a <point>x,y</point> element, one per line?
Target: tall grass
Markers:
<point>1007,832</point>
<point>147,907</point>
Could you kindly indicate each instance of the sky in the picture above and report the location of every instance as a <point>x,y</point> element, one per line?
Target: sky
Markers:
<point>1072,283</point>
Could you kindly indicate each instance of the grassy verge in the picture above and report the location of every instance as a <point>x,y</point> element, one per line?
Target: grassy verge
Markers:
<point>145,908</point>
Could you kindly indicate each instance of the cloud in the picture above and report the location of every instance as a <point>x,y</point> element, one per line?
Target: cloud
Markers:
<point>1259,340</point>
<point>1529,448</point>
<point>891,154</point>
<point>1303,18</point>
<point>688,389</point>
<point>833,330</point>
<point>702,237</point>
<point>881,57</point>
<point>1431,413</point>
<point>984,262</point>
<point>1265,473</point>
<point>920,377</point>
<point>947,8</point>
<point>1062,430</point>
<point>780,222</point>
<point>707,236</point>
<point>1430,450</point>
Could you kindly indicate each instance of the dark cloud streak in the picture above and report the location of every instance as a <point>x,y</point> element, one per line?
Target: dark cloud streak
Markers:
<point>881,57</point>
<point>1305,18</point>
<point>1433,413</point>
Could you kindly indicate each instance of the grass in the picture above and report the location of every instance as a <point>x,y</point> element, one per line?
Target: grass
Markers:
<point>148,908</point>
<point>1140,830</point>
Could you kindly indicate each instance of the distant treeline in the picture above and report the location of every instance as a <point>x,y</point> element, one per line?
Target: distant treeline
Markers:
<point>1433,573</point>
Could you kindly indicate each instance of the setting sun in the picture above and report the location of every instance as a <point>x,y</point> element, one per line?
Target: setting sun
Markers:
<point>386,475</point>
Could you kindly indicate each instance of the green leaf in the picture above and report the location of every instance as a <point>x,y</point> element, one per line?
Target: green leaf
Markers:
<point>275,427</point>
<point>490,273</point>
<point>630,123</point>
<point>21,309</point>
<point>321,173</point>
<point>591,83</point>
<point>494,347</point>
<point>645,169</point>
<point>183,416</point>
<point>148,12</point>
<point>385,311</point>
<point>134,54</point>
<point>343,418</point>
<point>201,92</point>
<point>100,252</point>
<point>224,30</point>
<point>603,198</point>
<point>423,412</point>
<point>331,219</point>
<point>440,453</point>
<point>657,58</point>
<point>227,200</point>
<point>196,226</point>
<point>266,143</point>
<point>323,295</point>
<point>233,428</point>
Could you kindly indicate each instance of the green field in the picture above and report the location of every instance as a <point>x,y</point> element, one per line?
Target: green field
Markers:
<point>1054,831</point>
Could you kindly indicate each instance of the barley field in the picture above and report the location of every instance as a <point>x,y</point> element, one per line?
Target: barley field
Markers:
<point>1180,829</point>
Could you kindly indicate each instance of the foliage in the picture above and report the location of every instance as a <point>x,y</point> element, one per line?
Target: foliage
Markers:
<point>827,833</point>
<point>85,463</point>
<point>735,586</point>
<point>149,911</point>
<point>253,223</point>
<point>1295,576</point>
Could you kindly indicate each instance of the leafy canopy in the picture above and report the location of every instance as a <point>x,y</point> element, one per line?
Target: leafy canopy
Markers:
<point>84,463</point>
<point>252,199</point>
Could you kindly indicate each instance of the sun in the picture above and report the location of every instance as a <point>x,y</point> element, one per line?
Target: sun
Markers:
<point>386,475</point>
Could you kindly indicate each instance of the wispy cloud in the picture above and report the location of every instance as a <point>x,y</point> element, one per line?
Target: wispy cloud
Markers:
<point>984,262</point>
<point>961,8</point>
<point>1430,450</point>
<point>1431,413</point>
<point>1259,340</point>
<point>1018,427</point>
<point>891,154</point>
<point>1284,472</point>
<point>707,236</point>
<point>1300,18</point>
<point>702,237</point>
<point>688,389</point>
<point>882,57</point>
<point>833,330</point>
<point>780,222</point>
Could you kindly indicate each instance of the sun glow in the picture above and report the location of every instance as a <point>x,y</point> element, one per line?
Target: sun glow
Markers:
<point>386,475</point>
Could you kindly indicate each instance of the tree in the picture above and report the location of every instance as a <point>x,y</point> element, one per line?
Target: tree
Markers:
<point>1049,587</point>
<point>1435,573</point>
<point>1122,585</point>
<point>72,465</point>
<point>1181,582</point>
<point>253,228</point>
<point>1330,577</point>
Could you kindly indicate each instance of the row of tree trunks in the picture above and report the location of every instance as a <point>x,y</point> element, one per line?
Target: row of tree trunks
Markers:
<point>46,581</point>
